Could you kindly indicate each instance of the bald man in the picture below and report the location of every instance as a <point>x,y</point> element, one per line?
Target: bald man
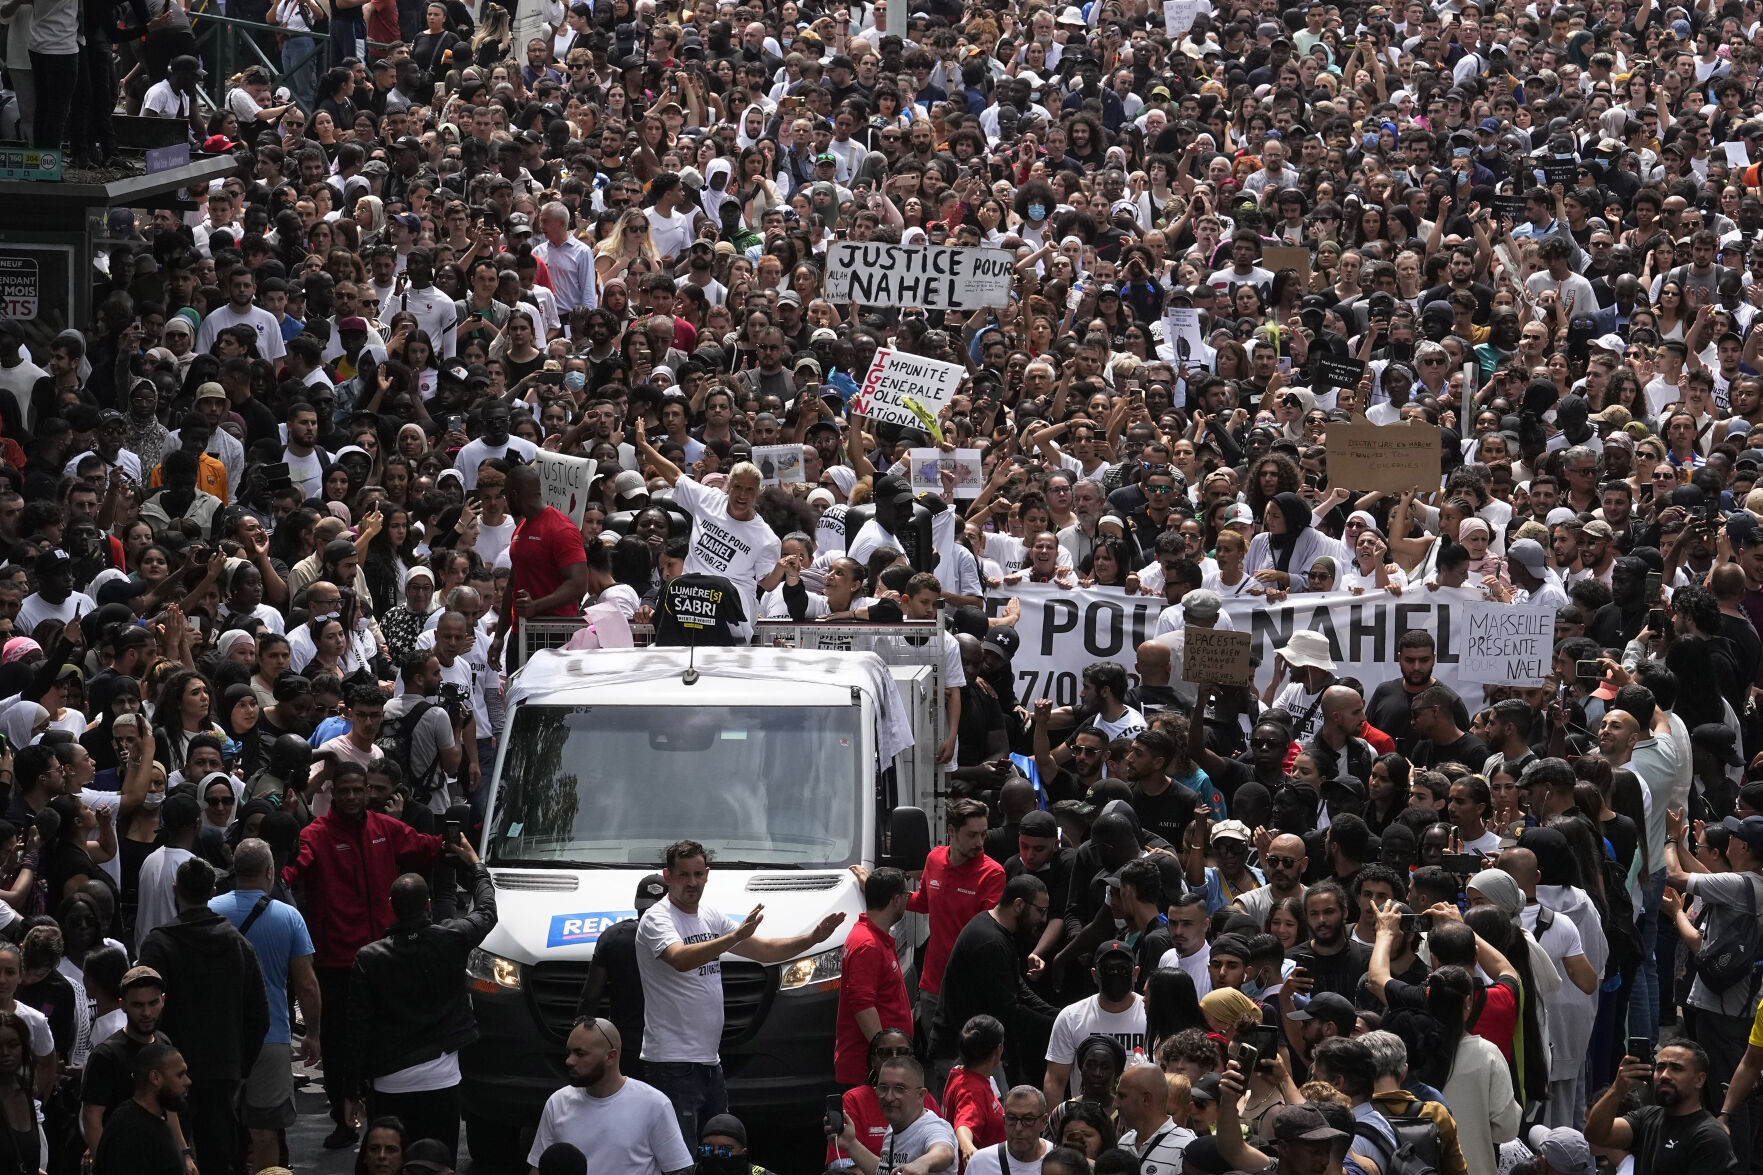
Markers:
<point>1283,862</point>
<point>1155,692</point>
<point>1337,749</point>
<point>1151,1134</point>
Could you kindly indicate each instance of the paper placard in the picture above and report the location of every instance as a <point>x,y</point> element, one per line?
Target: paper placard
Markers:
<point>1181,330</point>
<point>1391,458</point>
<point>1506,644</point>
<point>1335,372</point>
<point>1277,257</point>
<point>935,277</point>
<point>1216,656</point>
<point>1511,207</point>
<point>779,464</point>
<point>926,468</point>
<point>1561,171</point>
<point>564,481</point>
<point>1178,16</point>
<point>1738,154</point>
<point>896,377</point>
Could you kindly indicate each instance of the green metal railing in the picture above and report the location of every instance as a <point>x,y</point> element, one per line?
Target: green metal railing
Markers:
<point>225,42</point>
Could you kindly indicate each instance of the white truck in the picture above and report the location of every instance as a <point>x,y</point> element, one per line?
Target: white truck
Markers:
<point>789,761</point>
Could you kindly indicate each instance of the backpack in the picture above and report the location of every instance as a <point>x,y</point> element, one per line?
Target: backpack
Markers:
<point>397,742</point>
<point>1417,1152</point>
<point>1621,928</point>
<point>1732,957</point>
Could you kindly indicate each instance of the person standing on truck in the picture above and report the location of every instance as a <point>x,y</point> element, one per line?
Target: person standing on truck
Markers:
<point>613,976</point>
<point>343,872</point>
<point>728,536</point>
<point>408,1009</point>
<point>872,992</point>
<point>680,943</point>
<point>549,561</point>
<point>958,882</point>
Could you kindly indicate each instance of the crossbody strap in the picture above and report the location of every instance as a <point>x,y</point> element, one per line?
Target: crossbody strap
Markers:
<point>254,915</point>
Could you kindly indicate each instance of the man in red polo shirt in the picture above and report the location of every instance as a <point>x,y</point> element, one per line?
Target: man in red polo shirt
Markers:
<point>550,563</point>
<point>872,992</point>
<point>958,881</point>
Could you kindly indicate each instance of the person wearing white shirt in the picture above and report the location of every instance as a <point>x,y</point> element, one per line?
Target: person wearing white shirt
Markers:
<point>617,1122</point>
<point>180,819</point>
<point>1115,1011</point>
<point>670,229</point>
<point>18,375</point>
<point>1025,1113</point>
<point>570,261</point>
<point>495,441</point>
<point>434,311</point>
<point>241,310</point>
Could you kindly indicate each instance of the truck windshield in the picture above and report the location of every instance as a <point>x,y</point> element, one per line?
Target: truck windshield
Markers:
<point>615,785</point>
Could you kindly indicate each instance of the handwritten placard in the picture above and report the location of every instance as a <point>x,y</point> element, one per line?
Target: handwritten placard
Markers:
<point>1334,372</point>
<point>1506,644</point>
<point>1179,15</point>
<point>1217,656</point>
<point>564,482</point>
<point>1391,458</point>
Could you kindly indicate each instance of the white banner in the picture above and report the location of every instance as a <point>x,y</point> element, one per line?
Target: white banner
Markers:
<point>1063,631</point>
<point>898,383</point>
<point>935,277</point>
<point>565,481</point>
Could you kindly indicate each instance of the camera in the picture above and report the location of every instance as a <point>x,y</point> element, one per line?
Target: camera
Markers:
<point>453,700</point>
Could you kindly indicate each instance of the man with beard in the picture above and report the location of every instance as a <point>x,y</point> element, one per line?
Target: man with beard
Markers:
<point>1390,707</point>
<point>1284,861</point>
<point>139,1138</point>
<point>1331,960</point>
<point>618,1122</point>
<point>1676,1134</point>
<point>984,977</point>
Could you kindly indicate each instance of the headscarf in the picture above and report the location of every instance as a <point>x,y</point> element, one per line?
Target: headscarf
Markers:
<point>223,644</point>
<point>1296,512</point>
<point>710,197</point>
<point>208,781</point>
<point>1500,888</point>
<point>1333,565</point>
<point>1227,1005</point>
<point>19,720</point>
<point>18,648</point>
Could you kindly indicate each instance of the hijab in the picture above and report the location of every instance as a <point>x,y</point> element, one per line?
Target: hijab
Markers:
<point>1500,888</point>
<point>1296,512</point>
<point>19,720</point>
<point>250,753</point>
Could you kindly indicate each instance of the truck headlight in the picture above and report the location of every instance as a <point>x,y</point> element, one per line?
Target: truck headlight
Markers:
<point>492,973</point>
<point>813,969</point>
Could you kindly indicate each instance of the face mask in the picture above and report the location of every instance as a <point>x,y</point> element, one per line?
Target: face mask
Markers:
<point>1252,989</point>
<point>153,799</point>
<point>575,381</point>
<point>1114,985</point>
<point>1037,212</point>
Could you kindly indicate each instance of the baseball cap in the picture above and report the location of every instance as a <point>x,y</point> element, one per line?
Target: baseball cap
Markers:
<point>1610,342</point>
<point>1231,829</point>
<point>1565,1148</point>
<point>428,1154</point>
<point>1749,830</point>
<point>1331,1008</point>
<point>1003,640</point>
<point>649,891</point>
<point>1489,126</point>
<point>1205,1089</point>
<point>344,325</point>
<point>1719,741</point>
<point>1303,1124</point>
<point>409,220</point>
<point>1112,947</point>
<point>892,488</point>
<point>136,975</point>
<point>210,391</point>
<point>1528,552</point>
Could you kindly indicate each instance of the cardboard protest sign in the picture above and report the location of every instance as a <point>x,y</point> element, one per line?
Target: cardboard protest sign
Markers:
<point>897,382</point>
<point>1178,15</point>
<point>779,464</point>
<point>1506,644</point>
<point>1216,656</point>
<point>1277,257</point>
<point>936,277</point>
<point>564,481</point>
<point>1391,458</point>
<point>926,468</point>
<point>1333,372</point>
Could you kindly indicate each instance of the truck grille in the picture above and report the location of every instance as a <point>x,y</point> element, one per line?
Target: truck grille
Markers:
<point>747,991</point>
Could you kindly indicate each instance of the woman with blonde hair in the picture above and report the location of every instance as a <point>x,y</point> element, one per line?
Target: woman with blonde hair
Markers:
<point>490,45</point>
<point>628,241</point>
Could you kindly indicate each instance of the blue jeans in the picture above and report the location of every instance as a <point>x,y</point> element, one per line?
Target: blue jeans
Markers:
<point>1643,1003</point>
<point>697,1092</point>
<point>300,67</point>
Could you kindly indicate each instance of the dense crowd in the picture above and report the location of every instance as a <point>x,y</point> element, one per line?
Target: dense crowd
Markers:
<point>271,519</point>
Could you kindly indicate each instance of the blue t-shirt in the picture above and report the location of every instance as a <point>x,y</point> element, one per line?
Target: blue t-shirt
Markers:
<point>278,936</point>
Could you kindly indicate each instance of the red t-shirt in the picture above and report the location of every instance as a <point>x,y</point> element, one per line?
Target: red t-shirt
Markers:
<point>969,1100</point>
<point>541,552</point>
<point>863,1111</point>
<point>871,979</point>
<point>1498,1021</point>
<point>951,895</point>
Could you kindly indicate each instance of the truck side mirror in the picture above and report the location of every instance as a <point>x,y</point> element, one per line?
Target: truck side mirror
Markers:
<point>908,839</point>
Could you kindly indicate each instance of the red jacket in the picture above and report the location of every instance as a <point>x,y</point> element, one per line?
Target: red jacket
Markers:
<point>345,873</point>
